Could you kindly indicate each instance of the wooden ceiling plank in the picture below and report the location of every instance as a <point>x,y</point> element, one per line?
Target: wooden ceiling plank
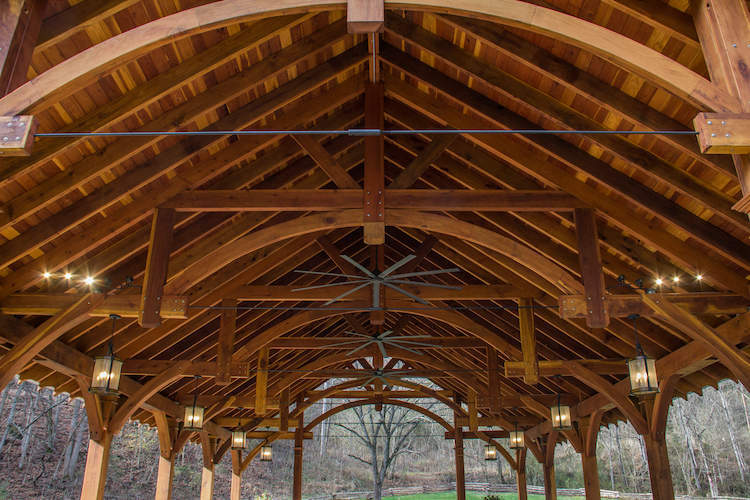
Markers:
<point>150,92</point>
<point>611,210</point>
<point>589,254</point>
<point>661,16</point>
<point>527,95</point>
<point>586,84</point>
<point>20,21</point>
<point>159,250</point>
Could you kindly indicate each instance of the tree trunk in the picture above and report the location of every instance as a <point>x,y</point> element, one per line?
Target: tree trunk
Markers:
<point>81,435</point>
<point>735,447</point>
<point>611,468</point>
<point>28,426</point>
<point>11,414</point>
<point>74,424</point>
<point>619,456</point>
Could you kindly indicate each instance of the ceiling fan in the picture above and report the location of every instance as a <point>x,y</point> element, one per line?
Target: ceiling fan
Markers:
<point>378,279</point>
<point>383,375</point>
<point>381,341</point>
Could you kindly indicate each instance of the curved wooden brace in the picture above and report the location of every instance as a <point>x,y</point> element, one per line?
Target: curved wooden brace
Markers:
<point>661,406</point>
<point>93,408</point>
<point>592,432</point>
<point>534,448</point>
<point>549,451</point>
<point>146,391</point>
<point>319,364</point>
<point>371,401</point>
<point>710,339</point>
<point>627,53</point>
<point>603,386</point>
<point>42,336</point>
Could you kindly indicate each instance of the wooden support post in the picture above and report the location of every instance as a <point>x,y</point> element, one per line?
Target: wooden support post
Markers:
<point>157,265</point>
<point>365,16</point>
<point>590,466</point>
<point>284,410</point>
<point>493,376</point>
<point>521,474</point>
<point>374,185</point>
<point>20,21</point>
<point>298,453</point>
<point>261,381</point>
<point>654,409</point>
<point>528,341</point>
<point>165,473</point>
<point>95,474</point>
<point>225,349</point>
<point>208,445</point>
<point>550,484</point>
<point>236,486</point>
<point>377,363</point>
<point>459,450</point>
<point>472,404</point>
<point>590,258</point>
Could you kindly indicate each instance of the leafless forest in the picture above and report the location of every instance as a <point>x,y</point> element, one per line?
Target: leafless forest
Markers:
<point>43,441</point>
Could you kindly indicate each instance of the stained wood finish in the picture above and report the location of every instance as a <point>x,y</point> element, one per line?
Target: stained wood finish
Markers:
<point>249,210</point>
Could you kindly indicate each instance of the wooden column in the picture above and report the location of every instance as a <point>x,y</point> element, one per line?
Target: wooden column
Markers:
<point>261,381</point>
<point>591,477</point>
<point>298,453</point>
<point>99,411</point>
<point>655,409</point>
<point>528,341</point>
<point>234,492</point>
<point>166,457</point>
<point>225,349</point>
<point>590,258</point>
<point>208,446</point>
<point>374,184</point>
<point>521,474</point>
<point>459,450</point>
<point>550,484</point>
<point>20,21</point>
<point>157,265</point>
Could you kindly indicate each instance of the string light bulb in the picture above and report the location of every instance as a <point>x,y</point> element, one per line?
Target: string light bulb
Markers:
<point>658,281</point>
<point>68,276</point>
<point>47,274</point>
<point>89,280</point>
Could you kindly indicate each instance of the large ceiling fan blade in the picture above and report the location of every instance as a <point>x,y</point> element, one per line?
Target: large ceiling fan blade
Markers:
<point>426,273</point>
<point>360,347</point>
<point>405,348</point>
<point>346,293</point>
<point>400,338</point>
<point>410,295</point>
<point>382,348</point>
<point>368,337</point>
<point>358,266</point>
<point>397,265</point>
<point>384,334</point>
<point>329,284</point>
<point>320,273</point>
<point>422,283</point>
<point>385,382</point>
<point>376,294</point>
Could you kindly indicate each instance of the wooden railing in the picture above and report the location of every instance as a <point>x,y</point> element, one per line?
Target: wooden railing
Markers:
<point>499,488</point>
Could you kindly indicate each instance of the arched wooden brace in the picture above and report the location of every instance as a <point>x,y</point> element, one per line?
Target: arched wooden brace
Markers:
<point>522,254</point>
<point>603,386</point>
<point>453,370</point>
<point>304,318</point>
<point>643,61</point>
<point>548,467</point>
<point>658,420</point>
<point>592,432</point>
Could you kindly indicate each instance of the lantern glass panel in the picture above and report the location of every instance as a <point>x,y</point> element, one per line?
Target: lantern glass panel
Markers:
<point>516,440</point>
<point>193,418</point>
<point>561,417</point>
<point>266,453</point>
<point>238,440</point>
<point>490,452</point>
<point>106,378</point>
<point>642,371</point>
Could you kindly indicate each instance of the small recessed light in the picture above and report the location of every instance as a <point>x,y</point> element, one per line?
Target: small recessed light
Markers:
<point>658,281</point>
<point>89,280</point>
<point>47,274</point>
<point>68,276</point>
<point>676,279</point>
<point>699,277</point>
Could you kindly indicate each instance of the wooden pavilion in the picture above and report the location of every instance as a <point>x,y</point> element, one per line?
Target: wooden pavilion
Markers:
<point>376,143</point>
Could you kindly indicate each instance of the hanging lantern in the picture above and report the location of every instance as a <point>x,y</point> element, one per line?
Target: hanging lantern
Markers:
<point>238,439</point>
<point>516,440</point>
<point>193,415</point>
<point>560,413</point>
<point>641,369</point>
<point>490,452</point>
<point>266,452</point>
<point>105,380</point>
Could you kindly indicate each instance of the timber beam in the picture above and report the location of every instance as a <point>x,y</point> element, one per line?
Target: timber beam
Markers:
<point>560,367</point>
<point>327,342</point>
<point>622,306</point>
<point>126,306</point>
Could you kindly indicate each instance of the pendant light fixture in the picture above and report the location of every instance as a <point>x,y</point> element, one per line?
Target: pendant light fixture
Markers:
<point>193,415</point>
<point>516,438</point>
<point>266,451</point>
<point>560,412</point>
<point>641,369</point>
<point>239,437</point>
<point>490,452</point>
<point>106,378</point>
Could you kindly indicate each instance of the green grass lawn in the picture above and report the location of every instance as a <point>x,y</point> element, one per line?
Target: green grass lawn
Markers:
<point>470,495</point>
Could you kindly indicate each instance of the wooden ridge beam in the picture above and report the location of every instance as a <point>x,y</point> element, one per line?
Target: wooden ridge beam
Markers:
<point>622,306</point>
<point>125,306</point>
<point>327,342</point>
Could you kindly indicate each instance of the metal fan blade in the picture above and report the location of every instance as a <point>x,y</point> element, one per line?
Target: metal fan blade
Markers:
<point>405,348</point>
<point>329,274</point>
<point>426,273</point>
<point>384,334</point>
<point>376,294</point>
<point>385,382</point>
<point>410,295</point>
<point>422,283</point>
<point>360,347</point>
<point>409,337</point>
<point>381,347</point>
<point>330,284</point>
<point>368,337</point>
<point>397,265</point>
<point>358,266</point>
<point>346,293</point>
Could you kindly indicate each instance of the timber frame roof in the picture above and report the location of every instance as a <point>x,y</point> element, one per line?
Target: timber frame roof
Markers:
<point>658,206</point>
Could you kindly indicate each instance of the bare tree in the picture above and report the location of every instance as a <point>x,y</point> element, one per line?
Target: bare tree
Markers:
<point>386,435</point>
